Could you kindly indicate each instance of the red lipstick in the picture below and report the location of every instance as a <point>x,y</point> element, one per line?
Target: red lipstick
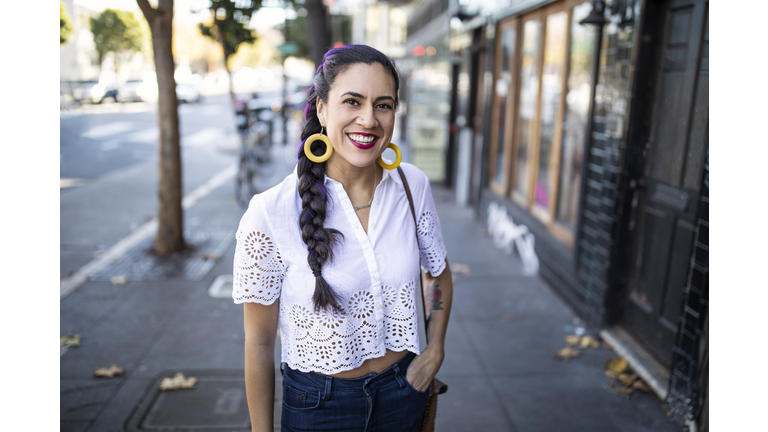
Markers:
<point>361,145</point>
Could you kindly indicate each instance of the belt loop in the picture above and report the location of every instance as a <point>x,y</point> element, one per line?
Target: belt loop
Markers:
<point>398,377</point>
<point>327,388</point>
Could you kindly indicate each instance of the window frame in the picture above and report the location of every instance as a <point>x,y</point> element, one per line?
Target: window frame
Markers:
<point>509,120</point>
<point>546,215</point>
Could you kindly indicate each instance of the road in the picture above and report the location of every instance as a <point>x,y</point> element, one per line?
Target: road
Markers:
<point>108,169</point>
<point>99,139</point>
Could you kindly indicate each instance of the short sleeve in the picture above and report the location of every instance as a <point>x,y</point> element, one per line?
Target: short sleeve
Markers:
<point>431,248</point>
<point>258,269</point>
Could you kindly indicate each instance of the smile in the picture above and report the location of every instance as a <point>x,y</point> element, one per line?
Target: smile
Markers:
<point>362,141</point>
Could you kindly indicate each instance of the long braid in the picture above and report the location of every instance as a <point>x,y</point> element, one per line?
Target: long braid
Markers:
<point>316,236</point>
<point>319,239</point>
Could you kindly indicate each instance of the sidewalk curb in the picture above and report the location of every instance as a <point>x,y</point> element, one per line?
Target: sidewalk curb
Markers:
<point>71,283</point>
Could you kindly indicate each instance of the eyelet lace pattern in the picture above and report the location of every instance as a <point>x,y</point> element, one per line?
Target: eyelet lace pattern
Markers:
<point>431,247</point>
<point>330,342</point>
<point>258,269</point>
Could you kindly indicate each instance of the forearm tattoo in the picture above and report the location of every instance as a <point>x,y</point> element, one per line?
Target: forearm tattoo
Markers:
<point>434,294</point>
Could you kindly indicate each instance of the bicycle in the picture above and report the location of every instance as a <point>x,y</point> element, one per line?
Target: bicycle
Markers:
<point>254,149</point>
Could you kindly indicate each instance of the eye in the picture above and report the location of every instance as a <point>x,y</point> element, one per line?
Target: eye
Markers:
<point>384,106</point>
<point>352,102</point>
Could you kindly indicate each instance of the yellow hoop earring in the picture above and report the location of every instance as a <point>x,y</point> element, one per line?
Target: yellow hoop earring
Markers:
<point>308,145</point>
<point>398,158</point>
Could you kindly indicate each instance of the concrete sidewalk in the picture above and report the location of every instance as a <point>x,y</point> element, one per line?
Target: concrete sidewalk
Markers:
<point>500,364</point>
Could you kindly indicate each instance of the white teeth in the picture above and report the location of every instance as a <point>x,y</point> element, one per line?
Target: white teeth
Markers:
<point>362,138</point>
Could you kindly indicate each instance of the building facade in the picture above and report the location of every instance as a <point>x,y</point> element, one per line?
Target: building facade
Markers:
<point>587,123</point>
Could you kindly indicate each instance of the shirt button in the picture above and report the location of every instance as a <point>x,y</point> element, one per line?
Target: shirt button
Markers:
<point>378,306</point>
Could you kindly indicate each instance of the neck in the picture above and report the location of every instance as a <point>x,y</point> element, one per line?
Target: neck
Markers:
<point>354,179</point>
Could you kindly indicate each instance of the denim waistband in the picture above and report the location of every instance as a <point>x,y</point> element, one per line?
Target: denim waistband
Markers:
<point>370,380</point>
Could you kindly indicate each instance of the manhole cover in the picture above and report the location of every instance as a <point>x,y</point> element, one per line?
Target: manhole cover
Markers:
<point>141,264</point>
<point>216,403</point>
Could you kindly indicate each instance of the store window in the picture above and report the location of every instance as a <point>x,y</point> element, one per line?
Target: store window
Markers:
<point>503,97</point>
<point>538,139</point>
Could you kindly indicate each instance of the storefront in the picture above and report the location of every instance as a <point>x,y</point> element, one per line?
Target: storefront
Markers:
<point>587,123</point>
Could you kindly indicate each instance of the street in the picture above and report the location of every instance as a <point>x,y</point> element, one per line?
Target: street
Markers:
<point>108,161</point>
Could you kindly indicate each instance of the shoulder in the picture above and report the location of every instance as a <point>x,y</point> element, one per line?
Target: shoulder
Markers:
<point>416,177</point>
<point>264,206</point>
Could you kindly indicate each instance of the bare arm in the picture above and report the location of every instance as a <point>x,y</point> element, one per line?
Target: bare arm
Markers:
<point>438,292</point>
<point>260,334</point>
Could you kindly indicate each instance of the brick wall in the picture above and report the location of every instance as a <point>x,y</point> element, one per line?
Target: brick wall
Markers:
<point>602,197</point>
<point>689,383</point>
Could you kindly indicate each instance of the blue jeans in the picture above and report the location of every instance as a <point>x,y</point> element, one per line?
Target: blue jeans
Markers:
<point>380,402</point>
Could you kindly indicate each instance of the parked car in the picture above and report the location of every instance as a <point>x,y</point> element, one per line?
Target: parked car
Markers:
<point>187,92</point>
<point>129,92</point>
<point>81,91</point>
<point>101,92</point>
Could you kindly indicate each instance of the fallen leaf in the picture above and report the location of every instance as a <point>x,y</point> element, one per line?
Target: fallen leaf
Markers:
<point>589,341</point>
<point>208,256</point>
<point>627,379</point>
<point>624,391</point>
<point>178,382</point>
<point>70,341</point>
<point>618,365</point>
<point>567,353</point>
<point>607,345</point>
<point>573,339</point>
<point>640,385</point>
<point>509,317</point>
<point>461,269</point>
<point>611,375</point>
<point>110,372</point>
<point>119,280</point>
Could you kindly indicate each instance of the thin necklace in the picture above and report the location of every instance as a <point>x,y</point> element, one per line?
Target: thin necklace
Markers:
<point>372,193</point>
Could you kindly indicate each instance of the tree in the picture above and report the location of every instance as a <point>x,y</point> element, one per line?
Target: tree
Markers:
<point>317,26</point>
<point>170,232</point>
<point>65,26</point>
<point>298,29</point>
<point>116,31</point>
<point>229,27</point>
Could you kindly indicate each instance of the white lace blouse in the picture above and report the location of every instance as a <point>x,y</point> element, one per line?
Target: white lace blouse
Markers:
<point>374,274</point>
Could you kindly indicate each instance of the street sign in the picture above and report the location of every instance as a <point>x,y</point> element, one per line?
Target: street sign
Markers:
<point>288,48</point>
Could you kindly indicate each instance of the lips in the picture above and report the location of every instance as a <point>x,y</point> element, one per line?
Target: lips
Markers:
<point>362,141</point>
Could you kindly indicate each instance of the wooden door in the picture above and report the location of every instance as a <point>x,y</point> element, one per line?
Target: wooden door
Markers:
<point>666,195</point>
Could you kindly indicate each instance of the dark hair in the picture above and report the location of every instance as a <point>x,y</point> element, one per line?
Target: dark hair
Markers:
<point>320,240</point>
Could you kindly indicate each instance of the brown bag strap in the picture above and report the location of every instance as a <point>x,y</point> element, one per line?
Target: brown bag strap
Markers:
<point>416,225</point>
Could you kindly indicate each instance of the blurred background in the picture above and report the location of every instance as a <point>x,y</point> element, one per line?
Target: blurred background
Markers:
<point>586,122</point>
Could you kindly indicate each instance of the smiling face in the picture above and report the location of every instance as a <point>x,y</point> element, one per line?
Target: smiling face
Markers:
<point>359,115</point>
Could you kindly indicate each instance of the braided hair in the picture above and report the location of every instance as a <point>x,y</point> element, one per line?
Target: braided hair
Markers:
<point>319,239</point>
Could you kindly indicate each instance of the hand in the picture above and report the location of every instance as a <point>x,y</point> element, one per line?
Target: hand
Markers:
<point>424,367</point>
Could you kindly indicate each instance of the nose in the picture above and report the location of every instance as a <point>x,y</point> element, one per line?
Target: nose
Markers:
<point>367,119</point>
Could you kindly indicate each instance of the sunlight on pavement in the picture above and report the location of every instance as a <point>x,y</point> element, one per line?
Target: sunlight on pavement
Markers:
<point>70,182</point>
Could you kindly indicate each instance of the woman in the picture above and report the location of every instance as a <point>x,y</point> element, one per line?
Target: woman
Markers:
<point>332,255</point>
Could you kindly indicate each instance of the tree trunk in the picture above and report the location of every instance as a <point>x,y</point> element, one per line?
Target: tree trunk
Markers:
<point>317,27</point>
<point>227,55</point>
<point>170,226</point>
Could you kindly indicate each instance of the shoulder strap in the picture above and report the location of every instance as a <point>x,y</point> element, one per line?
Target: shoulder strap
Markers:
<point>416,225</point>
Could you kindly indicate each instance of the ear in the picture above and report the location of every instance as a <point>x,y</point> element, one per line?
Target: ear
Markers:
<point>320,105</point>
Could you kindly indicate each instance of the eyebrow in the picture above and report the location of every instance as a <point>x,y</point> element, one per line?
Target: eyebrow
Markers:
<point>358,95</point>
